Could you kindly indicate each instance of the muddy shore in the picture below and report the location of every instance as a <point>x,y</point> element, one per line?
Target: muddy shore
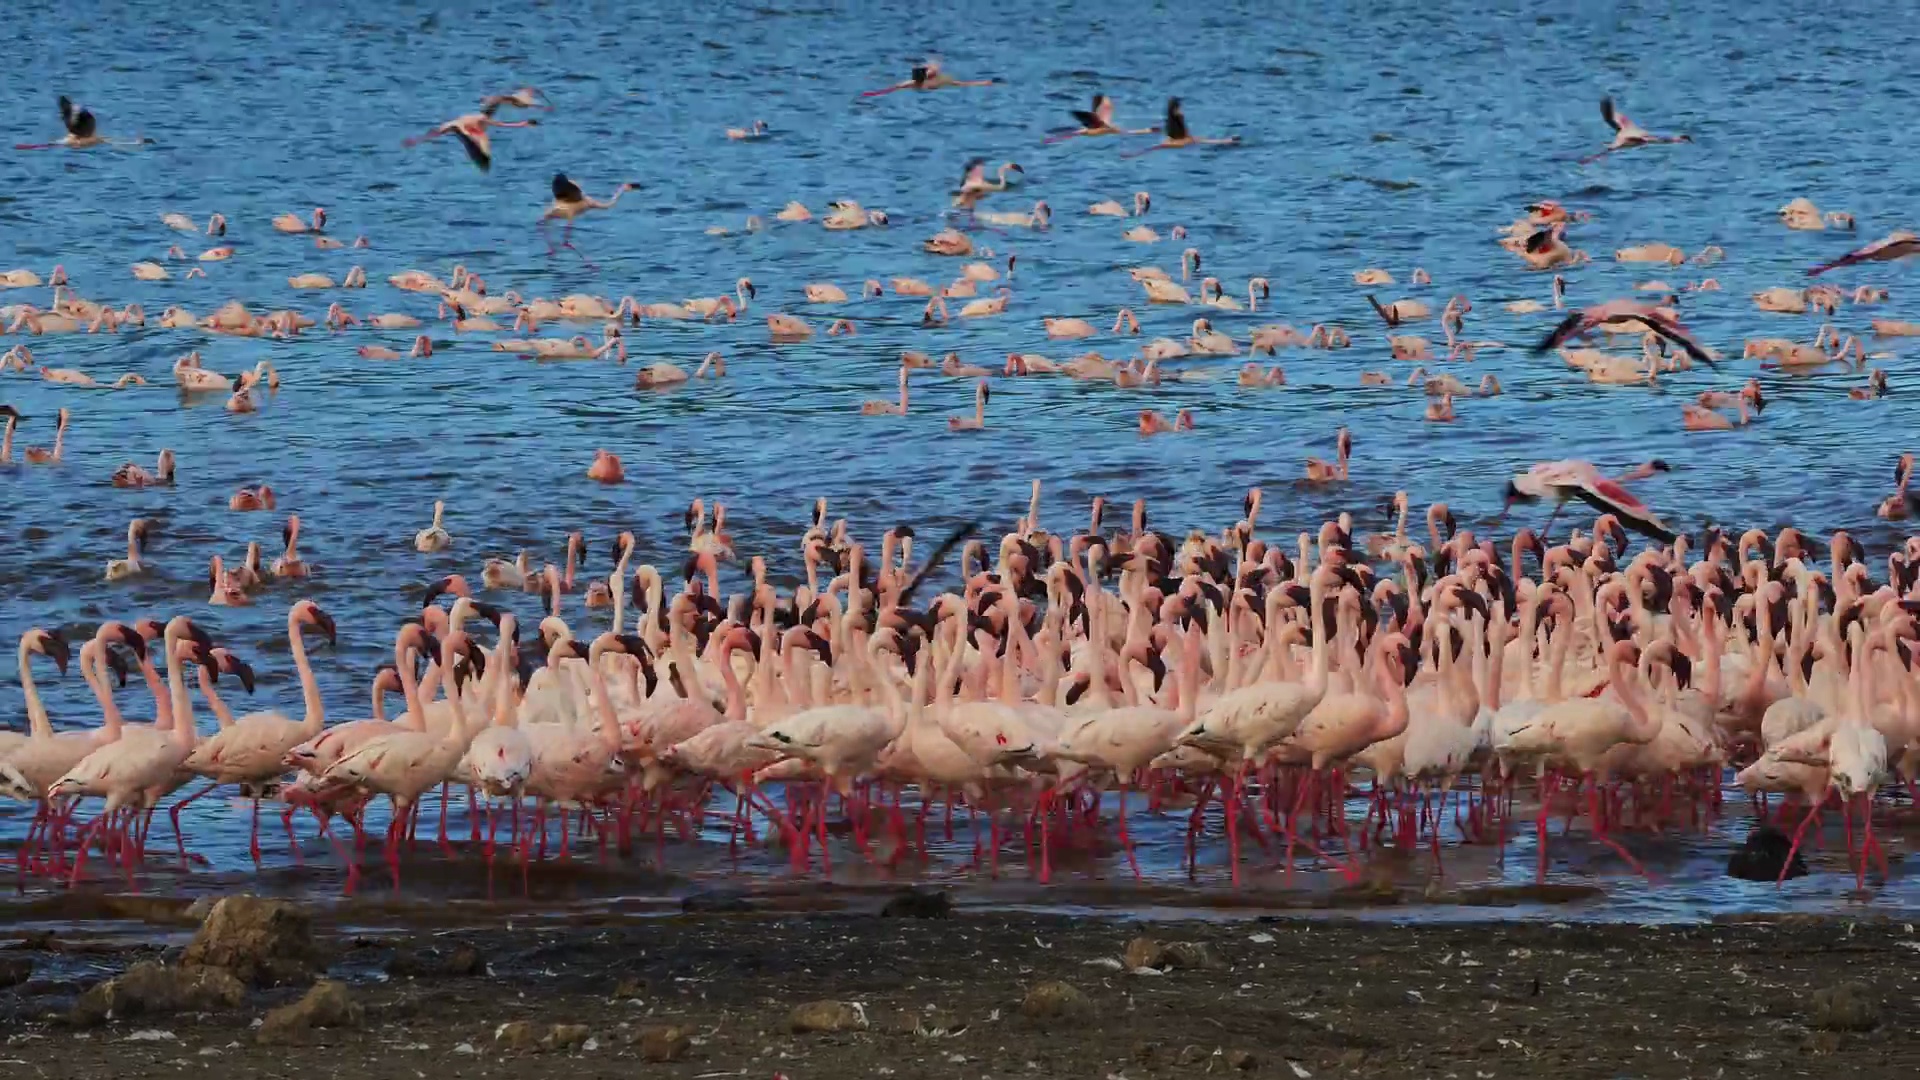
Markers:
<point>930,992</point>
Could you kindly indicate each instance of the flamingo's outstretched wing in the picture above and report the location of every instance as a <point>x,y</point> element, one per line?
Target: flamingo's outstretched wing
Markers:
<point>1613,119</point>
<point>1568,327</point>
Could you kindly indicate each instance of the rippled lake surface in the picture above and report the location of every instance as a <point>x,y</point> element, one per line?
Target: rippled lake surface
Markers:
<point>1393,135</point>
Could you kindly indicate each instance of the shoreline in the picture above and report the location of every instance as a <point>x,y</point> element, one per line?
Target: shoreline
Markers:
<point>969,992</point>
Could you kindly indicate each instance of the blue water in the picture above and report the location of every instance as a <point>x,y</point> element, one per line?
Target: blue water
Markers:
<point>1392,134</point>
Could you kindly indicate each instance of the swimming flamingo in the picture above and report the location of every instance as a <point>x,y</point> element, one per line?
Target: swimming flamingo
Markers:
<point>878,407</point>
<point>1319,472</point>
<point>137,532</point>
<point>1152,423</point>
<point>606,468</point>
<point>749,134</point>
<point>291,223</point>
<point>1176,135</point>
<point>433,538</point>
<point>1627,134</point>
<point>40,455</point>
<point>976,422</point>
<point>927,75</point>
<point>131,475</point>
<point>569,202</point>
<point>289,564</point>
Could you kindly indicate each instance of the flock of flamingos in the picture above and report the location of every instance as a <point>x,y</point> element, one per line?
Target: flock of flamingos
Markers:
<point>1073,677</point>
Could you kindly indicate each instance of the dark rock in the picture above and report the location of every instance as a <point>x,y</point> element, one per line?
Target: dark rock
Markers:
<point>1847,1006</point>
<point>1056,1001</point>
<point>565,1036</point>
<point>716,902</point>
<point>1763,854</point>
<point>1241,1059</point>
<point>151,988</point>
<point>461,961</point>
<point>629,987</point>
<point>325,1006</point>
<point>919,904</point>
<point>663,1044</point>
<point>824,1016</point>
<point>15,970</point>
<point>262,942</point>
<point>1191,1054</point>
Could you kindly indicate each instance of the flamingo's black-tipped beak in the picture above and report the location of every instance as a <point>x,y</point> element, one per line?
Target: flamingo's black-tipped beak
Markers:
<point>235,666</point>
<point>58,650</point>
<point>135,644</point>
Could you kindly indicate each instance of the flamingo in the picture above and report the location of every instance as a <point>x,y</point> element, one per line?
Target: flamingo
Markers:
<point>291,223</point>
<point>569,202</point>
<point>40,455</point>
<point>471,129</point>
<point>253,750</point>
<point>137,532</point>
<point>1895,245</point>
<point>1624,312</point>
<point>1176,136</point>
<point>131,475</point>
<point>403,764</point>
<point>976,422</point>
<point>82,129</point>
<point>927,75</point>
<point>1627,134</point>
<point>433,538</point>
<point>130,770</point>
<point>1095,120</point>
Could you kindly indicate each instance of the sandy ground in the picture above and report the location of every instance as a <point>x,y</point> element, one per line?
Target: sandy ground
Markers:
<point>977,994</point>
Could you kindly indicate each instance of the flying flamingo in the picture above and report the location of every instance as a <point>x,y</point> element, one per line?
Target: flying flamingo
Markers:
<point>974,185</point>
<point>471,129</point>
<point>1097,120</point>
<point>1627,134</point>
<point>928,76</point>
<point>253,751</point>
<point>81,130</point>
<point>1621,312</point>
<point>1176,135</point>
<point>1575,479</point>
<point>1895,245</point>
<point>527,97</point>
<point>569,202</point>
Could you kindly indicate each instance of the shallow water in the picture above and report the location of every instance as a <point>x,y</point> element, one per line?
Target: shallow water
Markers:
<point>1395,135</point>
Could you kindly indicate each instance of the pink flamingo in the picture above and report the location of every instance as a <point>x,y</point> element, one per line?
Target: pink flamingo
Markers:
<point>402,765</point>
<point>928,76</point>
<point>471,130</point>
<point>253,751</point>
<point>1627,134</point>
<point>569,202</point>
<point>128,769</point>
